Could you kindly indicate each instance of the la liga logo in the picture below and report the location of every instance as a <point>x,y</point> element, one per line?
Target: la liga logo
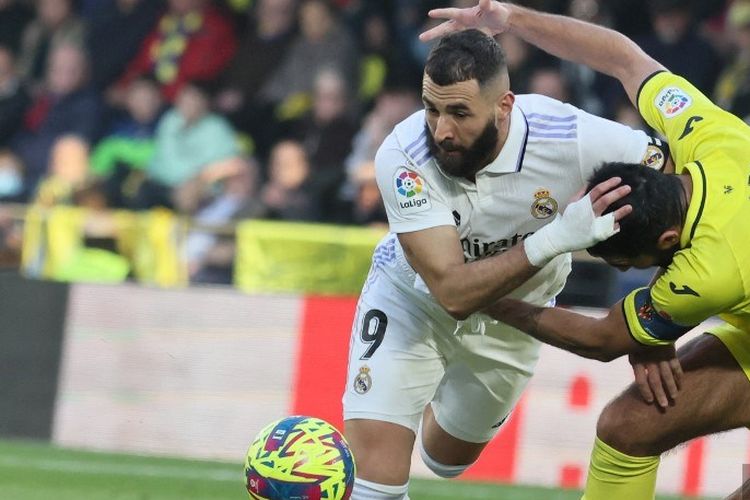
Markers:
<point>673,101</point>
<point>676,104</point>
<point>408,184</point>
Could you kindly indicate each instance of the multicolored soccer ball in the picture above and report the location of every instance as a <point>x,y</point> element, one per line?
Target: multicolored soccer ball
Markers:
<point>299,458</point>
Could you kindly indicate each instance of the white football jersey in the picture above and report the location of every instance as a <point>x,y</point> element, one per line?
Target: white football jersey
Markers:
<point>551,150</point>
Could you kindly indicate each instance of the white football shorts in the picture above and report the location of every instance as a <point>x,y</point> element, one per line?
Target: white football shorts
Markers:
<point>406,352</point>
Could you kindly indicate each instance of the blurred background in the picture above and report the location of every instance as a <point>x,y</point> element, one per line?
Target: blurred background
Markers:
<point>210,165</point>
<point>225,111</point>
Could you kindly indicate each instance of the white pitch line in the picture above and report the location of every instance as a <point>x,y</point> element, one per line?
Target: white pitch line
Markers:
<point>85,467</point>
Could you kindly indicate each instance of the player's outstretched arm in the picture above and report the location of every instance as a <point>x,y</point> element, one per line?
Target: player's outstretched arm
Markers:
<point>603,339</point>
<point>600,48</point>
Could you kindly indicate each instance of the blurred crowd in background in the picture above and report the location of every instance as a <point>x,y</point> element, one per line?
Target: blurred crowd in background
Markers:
<point>233,109</point>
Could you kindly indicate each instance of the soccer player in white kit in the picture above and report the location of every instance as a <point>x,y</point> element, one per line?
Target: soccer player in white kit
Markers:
<point>468,183</point>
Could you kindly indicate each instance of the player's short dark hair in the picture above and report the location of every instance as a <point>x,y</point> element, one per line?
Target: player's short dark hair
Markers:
<point>463,56</point>
<point>656,199</point>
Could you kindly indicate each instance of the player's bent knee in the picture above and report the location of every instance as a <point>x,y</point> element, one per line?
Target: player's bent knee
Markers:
<point>615,425</point>
<point>444,471</point>
<point>627,425</point>
<point>368,490</point>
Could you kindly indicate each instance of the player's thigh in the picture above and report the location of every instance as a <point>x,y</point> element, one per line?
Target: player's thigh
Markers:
<point>714,397</point>
<point>394,366</point>
<point>482,383</point>
<point>382,450</point>
<point>394,369</point>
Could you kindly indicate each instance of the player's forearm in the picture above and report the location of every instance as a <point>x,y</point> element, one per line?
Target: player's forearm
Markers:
<point>471,287</point>
<point>573,332</point>
<point>600,48</point>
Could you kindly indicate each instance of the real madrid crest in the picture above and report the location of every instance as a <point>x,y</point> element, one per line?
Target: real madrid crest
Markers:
<point>363,381</point>
<point>544,205</point>
<point>654,157</point>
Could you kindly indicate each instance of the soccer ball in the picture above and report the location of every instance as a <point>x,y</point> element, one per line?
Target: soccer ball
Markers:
<point>299,458</point>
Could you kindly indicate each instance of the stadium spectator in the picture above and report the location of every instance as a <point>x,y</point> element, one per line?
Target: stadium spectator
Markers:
<point>367,207</point>
<point>65,105</point>
<point>692,225</point>
<point>594,92</point>
<point>143,107</point>
<point>194,147</point>
<point>55,23</point>
<point>733,87</point>
<point>323,42</point>
<point>14,98</point>
<point>326,132</point>
<point>211,256</point>
<point>471,186</point>
<point>676,41</point>
<point>14,16</point>
<point>260,50</point>
<point>285,195</point>
<point>551,82</point>
<point>131,21</point>
<point>391,106</point>
<point>192,41</point>
<point>66,173</point>
<point>120,158</point>
<point>381,62</point>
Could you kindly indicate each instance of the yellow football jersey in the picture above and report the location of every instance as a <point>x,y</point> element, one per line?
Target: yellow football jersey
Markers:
<point>710,274</point>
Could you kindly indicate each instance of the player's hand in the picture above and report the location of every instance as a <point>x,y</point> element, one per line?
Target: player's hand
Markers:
<point>658,374</point>
<point>602,196</point>
<point>488,16</point>
<point>582,225</point>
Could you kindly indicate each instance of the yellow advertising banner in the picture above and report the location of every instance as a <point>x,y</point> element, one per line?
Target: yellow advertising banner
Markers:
<point>297,257</point>
<point>147,246</point>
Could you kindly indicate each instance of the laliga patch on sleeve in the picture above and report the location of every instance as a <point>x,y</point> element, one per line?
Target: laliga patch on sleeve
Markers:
<point>672,101</point>
<point>411,192</point>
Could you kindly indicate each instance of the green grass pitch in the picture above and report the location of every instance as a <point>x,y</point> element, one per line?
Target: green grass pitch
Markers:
<point>32,471</point>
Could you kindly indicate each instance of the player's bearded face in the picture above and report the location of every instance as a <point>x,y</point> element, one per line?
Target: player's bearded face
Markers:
<point>465,161</point>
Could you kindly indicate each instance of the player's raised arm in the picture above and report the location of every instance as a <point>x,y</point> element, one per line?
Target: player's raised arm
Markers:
<point>600,48</point>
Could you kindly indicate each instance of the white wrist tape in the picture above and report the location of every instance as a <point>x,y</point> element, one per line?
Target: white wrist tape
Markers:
<point>576,229</point>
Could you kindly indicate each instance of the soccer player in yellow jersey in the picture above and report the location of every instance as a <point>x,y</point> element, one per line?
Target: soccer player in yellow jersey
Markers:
<point>695,225</point>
